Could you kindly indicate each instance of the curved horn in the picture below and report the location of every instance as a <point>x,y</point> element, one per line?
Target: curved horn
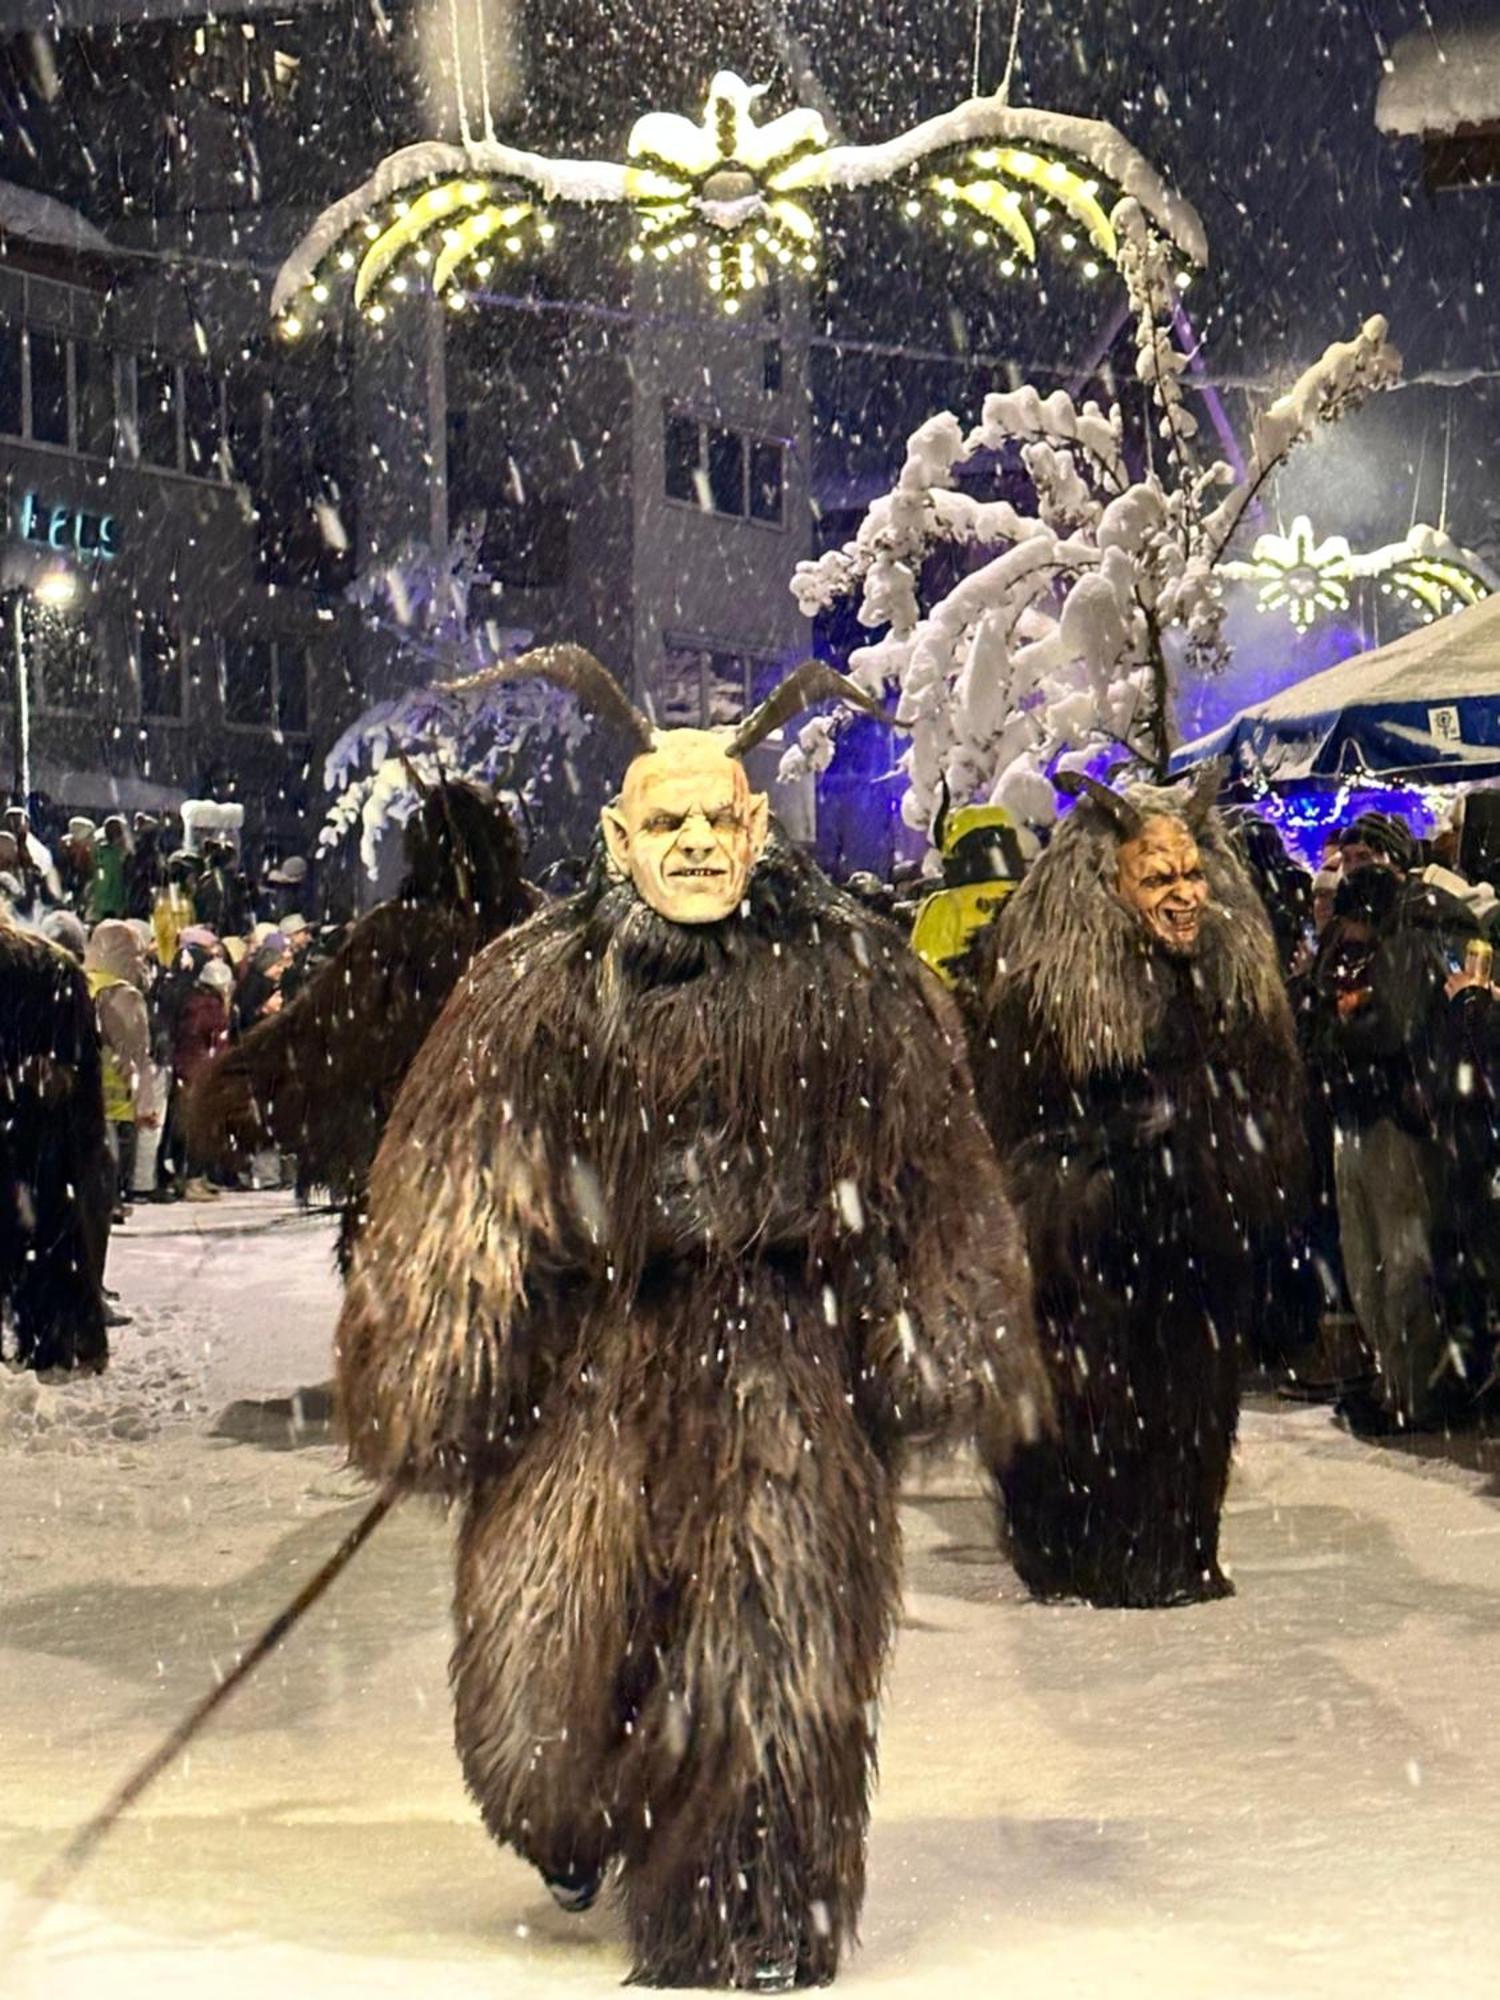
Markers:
<point>811,682</point>
<point>1208,782</point>
<point>940,824</point>
<point>577,670</point>
<point>1078,784</point>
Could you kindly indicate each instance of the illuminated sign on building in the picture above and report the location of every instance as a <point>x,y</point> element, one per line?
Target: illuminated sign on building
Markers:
<point>69,529</point>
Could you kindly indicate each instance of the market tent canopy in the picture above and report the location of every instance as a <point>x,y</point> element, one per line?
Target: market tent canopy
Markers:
<point>1426,706</point>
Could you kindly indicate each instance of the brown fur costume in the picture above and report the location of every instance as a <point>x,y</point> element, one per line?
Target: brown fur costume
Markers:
<point>1148,1111</point>
<point>319,1078</point>
<point>54,1169</point>
<point>677,1233</point>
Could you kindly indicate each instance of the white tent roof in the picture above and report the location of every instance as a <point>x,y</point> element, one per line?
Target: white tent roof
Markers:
<point>1430,698</point>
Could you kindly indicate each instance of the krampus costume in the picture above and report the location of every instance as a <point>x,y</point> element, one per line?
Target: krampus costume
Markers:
<point>683,1224</point>
<point>54,1169</point>
<point>1136,1065</point>
<point>319,1078</point>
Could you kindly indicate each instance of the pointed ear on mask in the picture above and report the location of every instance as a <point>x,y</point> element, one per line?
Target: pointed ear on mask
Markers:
<point>758,821</point>
<point>616,838</point>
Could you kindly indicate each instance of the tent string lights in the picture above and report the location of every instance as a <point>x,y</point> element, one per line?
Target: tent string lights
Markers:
<point>741,197</point>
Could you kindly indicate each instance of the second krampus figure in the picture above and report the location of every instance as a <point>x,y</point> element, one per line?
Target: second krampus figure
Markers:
<point>683,1225</point>
<point>1135,1059</point>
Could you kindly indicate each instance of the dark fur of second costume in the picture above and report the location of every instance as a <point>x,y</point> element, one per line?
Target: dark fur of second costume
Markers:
<point>1147,1110</point>
<point>676,1236</point>
<point>318,1079</point>
<point>54,1171</point>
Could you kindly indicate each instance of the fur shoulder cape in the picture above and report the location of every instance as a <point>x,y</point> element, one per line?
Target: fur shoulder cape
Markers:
<point>1080,961</point>
<point>796,1054</point>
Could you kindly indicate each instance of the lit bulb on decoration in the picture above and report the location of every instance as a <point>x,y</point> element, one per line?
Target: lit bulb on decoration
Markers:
<point>809,263</point>
<point>636,253</point>
<point>320,293</point>
<point>981,237</point>
<point>458,300</point>
<point>731,305</point>
<point>913,208</point>
<point>398,283</point>
<point>483,268</point>
<point>1091,269</point>
<point>1007,267</point>
<point>1182,281</point>
<point>424,255</point>
<point>403,208</point>
<point>1070,241</point>
<point>546,230</point>
<point>947,217</point>
<point>372,230</point>
<point>291,327</point>
<point>377,313</point>
<point>346,260</point>
<point>513,244</point>
<point>1043,217</point>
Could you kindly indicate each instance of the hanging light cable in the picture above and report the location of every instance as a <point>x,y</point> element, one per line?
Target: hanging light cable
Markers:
<point>1010,56</point>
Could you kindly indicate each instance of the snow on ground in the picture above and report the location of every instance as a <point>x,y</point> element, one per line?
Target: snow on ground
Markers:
<point>1294,1793</point>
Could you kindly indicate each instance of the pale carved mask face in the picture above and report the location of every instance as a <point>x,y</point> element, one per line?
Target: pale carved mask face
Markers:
<point>1161,878</point>
<point>687,829</point>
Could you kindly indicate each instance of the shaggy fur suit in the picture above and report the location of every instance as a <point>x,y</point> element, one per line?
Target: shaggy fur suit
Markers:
<point>678,1235</point>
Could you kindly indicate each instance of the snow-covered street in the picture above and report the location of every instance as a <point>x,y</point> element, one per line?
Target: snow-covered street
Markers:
<point>1296,1792</point>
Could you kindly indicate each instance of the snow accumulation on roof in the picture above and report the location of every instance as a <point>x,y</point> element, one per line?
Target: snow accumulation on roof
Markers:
<point>1454,658</point>
<point>41,219</point>
<point>1441,81</point>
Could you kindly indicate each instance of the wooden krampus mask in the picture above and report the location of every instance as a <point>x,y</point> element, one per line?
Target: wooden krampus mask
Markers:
<point>686,827</point>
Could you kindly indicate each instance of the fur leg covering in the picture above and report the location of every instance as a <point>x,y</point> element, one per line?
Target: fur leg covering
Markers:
<point>1122,1508</point>
<point>672,1659</point>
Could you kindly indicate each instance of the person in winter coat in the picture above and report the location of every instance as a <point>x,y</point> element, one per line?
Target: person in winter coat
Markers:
<point>54,1170</point>
<point>317,1078</point>
<point>114,965</point>
<point>76,861</point>
<point>174,909</point>
<point>202,1032</point>
<point>108,895</point>
<point>258,994</point>
<point>145,868</point>
<point>1137,1067</point>
<point>1377,1040</point>
<point>683,1224</point>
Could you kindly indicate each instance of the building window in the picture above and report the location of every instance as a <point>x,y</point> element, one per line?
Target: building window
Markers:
<point>770,366</point>
<point>156,412</point>
<point>156,658</point>
<point>291,689</point>
<point>724,471</point>
<point>265,685</point>
<point>700,685</point>
<point>684,447</point>
<point>248,409</point>
<point>94,399</point>
<point>10,381</point>
<point>765,482</point>
<point>202,423</point>
<point>63,665</point>
<point>49,388</point>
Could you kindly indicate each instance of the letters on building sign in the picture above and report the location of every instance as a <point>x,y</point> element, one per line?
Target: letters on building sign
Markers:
<point>69,529</point>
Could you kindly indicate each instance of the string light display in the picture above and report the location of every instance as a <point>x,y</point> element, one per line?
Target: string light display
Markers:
<point>1301,577</point>
<point>745,196</point>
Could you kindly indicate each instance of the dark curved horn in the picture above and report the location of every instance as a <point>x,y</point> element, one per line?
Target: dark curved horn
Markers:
<point>940,824</point>
<point>1078,784</point>
<point>1207,784</point>
<point>811,682</point>
<point>577,670</point>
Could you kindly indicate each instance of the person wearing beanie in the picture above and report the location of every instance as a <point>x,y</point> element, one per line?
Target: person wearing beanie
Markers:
<point>1378,840</point>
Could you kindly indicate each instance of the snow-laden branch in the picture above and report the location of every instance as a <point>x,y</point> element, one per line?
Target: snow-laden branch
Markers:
<point>1061,645</point>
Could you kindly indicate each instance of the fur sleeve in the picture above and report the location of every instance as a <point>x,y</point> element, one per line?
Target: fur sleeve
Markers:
<point>473,1228</point>
<point>951,1348</point>
<point>318,1079</point>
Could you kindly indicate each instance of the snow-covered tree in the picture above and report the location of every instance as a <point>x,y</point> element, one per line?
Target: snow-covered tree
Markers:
<point>510,737</point>
<point>1066,639</point>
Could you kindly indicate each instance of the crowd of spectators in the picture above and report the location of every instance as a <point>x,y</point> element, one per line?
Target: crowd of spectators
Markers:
<point>183,951</point>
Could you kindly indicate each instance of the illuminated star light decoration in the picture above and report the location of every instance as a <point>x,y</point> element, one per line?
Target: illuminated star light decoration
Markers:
<point>436,217</point>
<point>1427,571</point>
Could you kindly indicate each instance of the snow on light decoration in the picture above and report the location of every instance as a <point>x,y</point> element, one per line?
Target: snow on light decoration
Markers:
<point>1427,571</point>
<point>433,217</point>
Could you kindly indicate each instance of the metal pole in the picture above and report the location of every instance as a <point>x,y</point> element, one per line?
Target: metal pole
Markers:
<point>23,698</point>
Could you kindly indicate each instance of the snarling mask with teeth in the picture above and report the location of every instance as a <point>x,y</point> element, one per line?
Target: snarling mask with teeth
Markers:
<point>686,828</point>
